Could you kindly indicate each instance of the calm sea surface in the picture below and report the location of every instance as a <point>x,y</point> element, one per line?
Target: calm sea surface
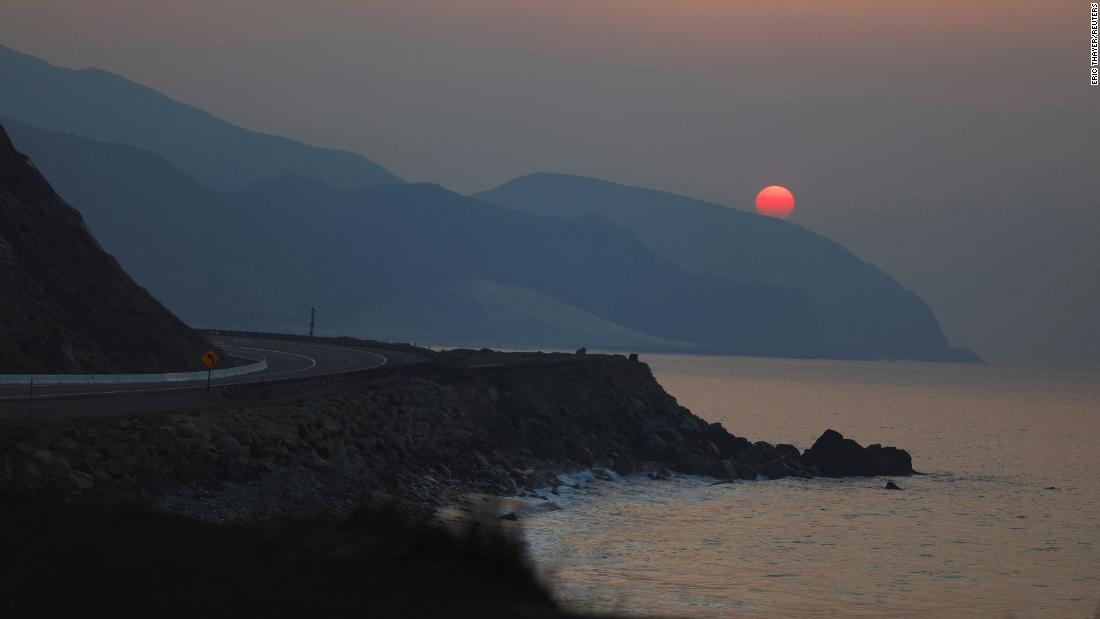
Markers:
<point>1006,522</point>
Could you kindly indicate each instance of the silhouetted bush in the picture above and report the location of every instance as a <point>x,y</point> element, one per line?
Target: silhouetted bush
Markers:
<point>82,560</point>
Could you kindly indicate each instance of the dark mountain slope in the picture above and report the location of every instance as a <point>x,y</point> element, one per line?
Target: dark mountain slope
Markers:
<point>406,258</point>
<point>862,311</point>
<point>65,305</point>
<point>103,106</point>
<point>169,231</point>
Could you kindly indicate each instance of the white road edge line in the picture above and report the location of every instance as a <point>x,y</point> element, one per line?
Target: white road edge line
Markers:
<point>326,347</point>
<point>313,362</point>
<point>360,351</point>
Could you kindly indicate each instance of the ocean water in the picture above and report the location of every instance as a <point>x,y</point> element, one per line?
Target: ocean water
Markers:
<point>1006,523</point>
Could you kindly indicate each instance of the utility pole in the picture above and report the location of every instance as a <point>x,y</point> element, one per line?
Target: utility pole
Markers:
<point>312,319</point>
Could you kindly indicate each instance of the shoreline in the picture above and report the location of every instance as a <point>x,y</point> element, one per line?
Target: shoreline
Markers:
<point>496,423</point>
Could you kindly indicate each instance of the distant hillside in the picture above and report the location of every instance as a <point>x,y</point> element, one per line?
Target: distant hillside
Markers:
<point>482,313</point>
<point>96,104</point>
<point>65,305</point>
<point>395,261</point>
<point>862,311</point>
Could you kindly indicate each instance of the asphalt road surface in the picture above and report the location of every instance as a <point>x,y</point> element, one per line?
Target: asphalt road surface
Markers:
<point>285,359</point>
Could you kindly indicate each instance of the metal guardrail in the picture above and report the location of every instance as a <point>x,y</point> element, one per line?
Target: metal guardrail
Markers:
<point>120,379</point>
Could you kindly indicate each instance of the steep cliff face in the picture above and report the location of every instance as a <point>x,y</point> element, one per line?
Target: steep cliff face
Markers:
<point>65,304</point>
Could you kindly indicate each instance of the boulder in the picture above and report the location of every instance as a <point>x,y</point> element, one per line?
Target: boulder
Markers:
<point>775,470</point>
<point>673,439</point>
<point>835,456</point>
<point>729,470</point>
<point>653,446</point>
<point>330,424</point>
<point>885,460</point>
<point>788,452</point>
<point>660,475</point>
<point>689,425</point>
<point>622,466</point>
<point>583,454</point>
<point>746,471</point>
<point>481,461</point>
<point>766,451</point>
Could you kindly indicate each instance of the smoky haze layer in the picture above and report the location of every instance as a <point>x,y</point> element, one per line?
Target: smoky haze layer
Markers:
<point>423,264</point>
<point>949,146</point>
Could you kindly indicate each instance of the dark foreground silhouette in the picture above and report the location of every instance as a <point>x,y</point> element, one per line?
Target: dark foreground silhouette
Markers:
<point>79,560</point>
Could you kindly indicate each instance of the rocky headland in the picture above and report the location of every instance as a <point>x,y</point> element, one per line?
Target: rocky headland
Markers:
<point>504,424</point>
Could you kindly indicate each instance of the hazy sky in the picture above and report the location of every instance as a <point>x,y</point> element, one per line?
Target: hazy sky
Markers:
<point>946,142</point>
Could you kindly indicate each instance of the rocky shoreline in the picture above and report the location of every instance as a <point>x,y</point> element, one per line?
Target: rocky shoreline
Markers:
<point>494,423</point>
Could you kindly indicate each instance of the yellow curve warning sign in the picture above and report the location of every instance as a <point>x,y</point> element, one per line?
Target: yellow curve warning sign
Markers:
<point>211,358</point>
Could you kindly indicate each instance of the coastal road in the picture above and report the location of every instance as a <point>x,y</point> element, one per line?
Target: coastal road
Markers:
<point>285,359</point>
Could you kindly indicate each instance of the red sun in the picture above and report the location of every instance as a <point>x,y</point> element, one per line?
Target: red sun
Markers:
<point>775,201</point>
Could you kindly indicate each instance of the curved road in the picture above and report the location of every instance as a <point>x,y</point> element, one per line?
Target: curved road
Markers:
<point>288,359</point>
<point>285,359</point>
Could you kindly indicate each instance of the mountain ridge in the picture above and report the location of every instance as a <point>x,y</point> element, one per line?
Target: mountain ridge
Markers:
<point>808,295</point>
<point>863,311</point>
<point>259,257</point>
<point>100,105</point>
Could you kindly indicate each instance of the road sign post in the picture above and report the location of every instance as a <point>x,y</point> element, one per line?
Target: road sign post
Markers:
<point>210,358</point>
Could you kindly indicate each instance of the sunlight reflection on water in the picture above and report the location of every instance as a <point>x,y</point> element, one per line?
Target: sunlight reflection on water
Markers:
<point>1004,523</point>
